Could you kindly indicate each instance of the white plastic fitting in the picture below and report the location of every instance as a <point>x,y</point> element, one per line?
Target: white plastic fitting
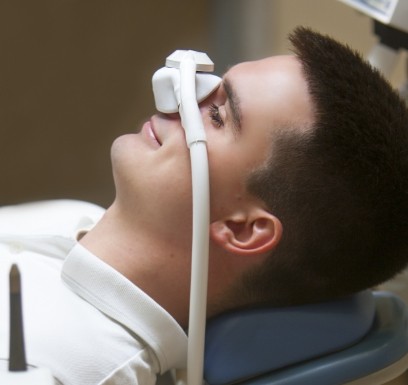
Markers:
<point>166,88</point>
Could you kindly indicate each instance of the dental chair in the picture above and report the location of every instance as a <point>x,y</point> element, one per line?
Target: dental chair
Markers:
<point>359,340</point>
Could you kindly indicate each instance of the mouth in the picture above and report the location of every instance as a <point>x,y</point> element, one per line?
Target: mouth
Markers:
<point>150,134</point>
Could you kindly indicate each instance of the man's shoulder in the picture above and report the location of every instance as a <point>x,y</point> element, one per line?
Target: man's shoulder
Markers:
<point>59,216</point>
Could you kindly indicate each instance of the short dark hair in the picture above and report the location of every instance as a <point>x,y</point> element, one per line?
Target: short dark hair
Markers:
<point>341,190</point>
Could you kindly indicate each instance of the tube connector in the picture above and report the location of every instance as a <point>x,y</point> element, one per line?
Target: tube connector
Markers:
<point>201,59</point>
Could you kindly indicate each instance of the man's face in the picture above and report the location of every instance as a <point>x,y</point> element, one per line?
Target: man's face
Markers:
<point>152,168</point>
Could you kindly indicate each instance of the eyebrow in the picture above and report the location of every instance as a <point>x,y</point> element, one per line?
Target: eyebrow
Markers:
<point>234,104</point>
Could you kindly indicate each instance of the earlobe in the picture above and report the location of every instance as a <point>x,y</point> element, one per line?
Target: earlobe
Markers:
<point>256,234</point>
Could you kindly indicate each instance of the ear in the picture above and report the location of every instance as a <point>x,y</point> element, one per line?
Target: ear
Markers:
<point>247,234</point>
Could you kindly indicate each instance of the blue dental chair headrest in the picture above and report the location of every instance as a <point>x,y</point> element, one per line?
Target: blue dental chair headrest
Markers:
<point>248,343</point>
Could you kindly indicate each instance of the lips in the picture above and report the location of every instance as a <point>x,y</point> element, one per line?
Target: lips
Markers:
<point>150,134</point>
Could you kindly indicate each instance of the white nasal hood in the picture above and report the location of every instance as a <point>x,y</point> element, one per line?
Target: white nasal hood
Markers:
<point>166,82</point>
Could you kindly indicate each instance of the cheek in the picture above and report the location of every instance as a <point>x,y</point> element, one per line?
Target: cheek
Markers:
<point>156,187</point>
<point>144,172</point>
<point>227,184</point>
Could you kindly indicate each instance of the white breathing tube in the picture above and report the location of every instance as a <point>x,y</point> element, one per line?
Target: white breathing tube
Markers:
<point>181,90</point>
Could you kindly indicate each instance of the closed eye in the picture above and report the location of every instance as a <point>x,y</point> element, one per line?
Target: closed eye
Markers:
<point>215,115</point>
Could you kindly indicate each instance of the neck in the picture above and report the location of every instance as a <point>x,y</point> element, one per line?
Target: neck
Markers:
<point>160,269</point>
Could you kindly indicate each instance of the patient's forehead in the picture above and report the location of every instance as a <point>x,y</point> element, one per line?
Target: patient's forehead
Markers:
<point>273,88</point>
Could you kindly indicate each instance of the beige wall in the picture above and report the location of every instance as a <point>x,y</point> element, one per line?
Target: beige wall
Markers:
<point>327,16</point>
<point>331,17</point>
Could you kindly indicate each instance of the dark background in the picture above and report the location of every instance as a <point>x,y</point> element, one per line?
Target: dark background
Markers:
<point>75,74</point>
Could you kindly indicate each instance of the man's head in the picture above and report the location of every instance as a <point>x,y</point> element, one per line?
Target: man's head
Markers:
<point>152,170</point>
<point>308,165</point>
<point>339,188</point>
